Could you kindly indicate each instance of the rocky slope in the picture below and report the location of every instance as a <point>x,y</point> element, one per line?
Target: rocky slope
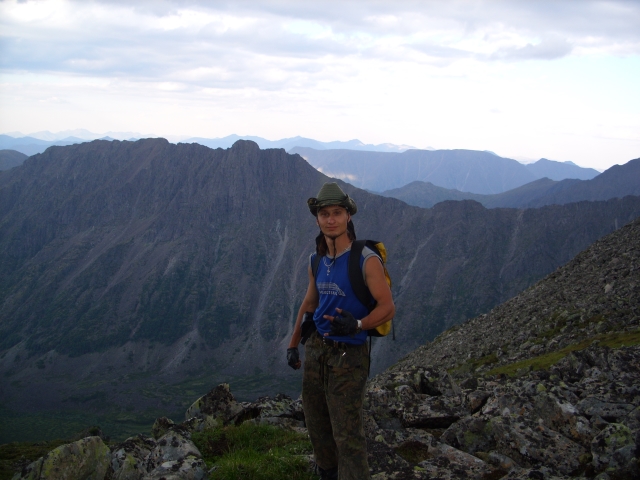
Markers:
<point>146,267</point>
<point>541,387</point>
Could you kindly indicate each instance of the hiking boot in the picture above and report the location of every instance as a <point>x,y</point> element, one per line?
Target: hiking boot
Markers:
<point>330,474</point>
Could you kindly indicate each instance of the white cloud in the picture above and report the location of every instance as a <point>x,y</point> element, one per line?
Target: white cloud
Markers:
<point>415,72</point>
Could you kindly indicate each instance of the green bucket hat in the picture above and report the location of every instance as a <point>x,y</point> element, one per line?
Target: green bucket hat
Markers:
<point>331,194</point>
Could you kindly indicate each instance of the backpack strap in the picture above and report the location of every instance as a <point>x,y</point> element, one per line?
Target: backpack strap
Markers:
<point>356,276</point>
<point>315,263</point>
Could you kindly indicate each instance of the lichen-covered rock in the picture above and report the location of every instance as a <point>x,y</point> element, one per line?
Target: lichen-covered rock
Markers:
<point>188,468</point>
<point>471,435</point>
<point>161,426</point>
<point>609,411</point>
<point>450,463</point>
<point>86,459</point>
<point>383,458</point>
<point>404,408</point>
<point>218,407</point>
<point>171,447</point>
<point>614,449</point>
<point>531,444</point>
<point>129,458</point>
<point>281,411</point>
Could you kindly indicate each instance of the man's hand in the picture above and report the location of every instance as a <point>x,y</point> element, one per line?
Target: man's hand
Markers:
<point>293,358</point>
<point>343,324</point>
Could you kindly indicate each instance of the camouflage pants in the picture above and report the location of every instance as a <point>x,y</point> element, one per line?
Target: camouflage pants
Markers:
<point>332,395</point>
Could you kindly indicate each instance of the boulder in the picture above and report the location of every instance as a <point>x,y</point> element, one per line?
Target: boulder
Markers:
<point>86,459</point>
<point>171,447</point>
<point>281,411</point>
<point>218,407</point>
<point>189,468</point>
<point>614,450</point>
<point>129,458</point>
<point>450,463</point>
<point>532,444</point>
<point>161,426</point>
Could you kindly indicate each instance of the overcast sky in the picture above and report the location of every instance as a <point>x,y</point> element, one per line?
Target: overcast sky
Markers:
<point>525,79</point>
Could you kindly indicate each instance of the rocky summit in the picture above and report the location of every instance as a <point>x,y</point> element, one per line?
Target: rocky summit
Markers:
<point>545,386</point>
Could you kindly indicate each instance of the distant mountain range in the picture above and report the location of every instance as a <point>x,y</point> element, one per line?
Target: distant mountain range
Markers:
<point>616,182</point>
<point>38,142</point>
<point>129,271</point>
<point>290,143</point>
<point>464,170</point>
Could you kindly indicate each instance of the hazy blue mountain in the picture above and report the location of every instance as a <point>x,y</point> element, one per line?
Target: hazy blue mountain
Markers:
<point>290,143</point>
<point>464,170</point>
<point>30,145</point>
<point>553,170</point>
<point>616,182</point>
<point>83,134</point>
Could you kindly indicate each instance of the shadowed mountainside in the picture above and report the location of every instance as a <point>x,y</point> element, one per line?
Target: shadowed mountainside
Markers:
<point>144,266</point>
<point>10,159</point>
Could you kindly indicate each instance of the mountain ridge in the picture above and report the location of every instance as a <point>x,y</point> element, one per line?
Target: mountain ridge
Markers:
<point>464,170</point>
<point>615,182</point>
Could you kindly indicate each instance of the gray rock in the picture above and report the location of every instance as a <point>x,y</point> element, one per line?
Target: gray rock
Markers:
<point>161,426</point>
<point>614,449</point>
<point>171,447</point>
<point>449,463</point>
<point>218,407</point>
<point>531,444</point>
<point>86,459</point>
<point>611,412</point>
<point>129,458</point>
<point>189,468</point>
<point>471,435</point>
<point>281,411</point>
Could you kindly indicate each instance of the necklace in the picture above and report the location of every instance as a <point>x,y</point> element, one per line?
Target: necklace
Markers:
<point>328,265</point>
<point>333,260</point>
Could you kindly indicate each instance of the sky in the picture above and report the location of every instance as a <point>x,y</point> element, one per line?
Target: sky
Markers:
<point>524,79</point>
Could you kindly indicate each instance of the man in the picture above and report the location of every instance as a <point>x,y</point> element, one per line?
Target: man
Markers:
<point>336,356</point>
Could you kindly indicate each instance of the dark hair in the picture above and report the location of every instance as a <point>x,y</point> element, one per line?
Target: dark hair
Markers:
<point>321,241</point>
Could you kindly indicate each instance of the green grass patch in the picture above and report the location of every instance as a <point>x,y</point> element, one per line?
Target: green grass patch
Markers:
<point>255,452</point>
<point>473,364</point>
<point>543,362</point>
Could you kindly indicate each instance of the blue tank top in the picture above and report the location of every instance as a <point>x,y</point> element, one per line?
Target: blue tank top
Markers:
<point>334,291</point>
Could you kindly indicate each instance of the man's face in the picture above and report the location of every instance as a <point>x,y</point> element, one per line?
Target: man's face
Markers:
<point>333,220</point>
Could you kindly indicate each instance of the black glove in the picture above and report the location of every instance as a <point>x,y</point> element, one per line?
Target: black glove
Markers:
<point>293,358</point>
<point>344,324</point>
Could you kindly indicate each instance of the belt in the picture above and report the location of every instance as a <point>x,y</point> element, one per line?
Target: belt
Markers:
<point>333,344</point>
